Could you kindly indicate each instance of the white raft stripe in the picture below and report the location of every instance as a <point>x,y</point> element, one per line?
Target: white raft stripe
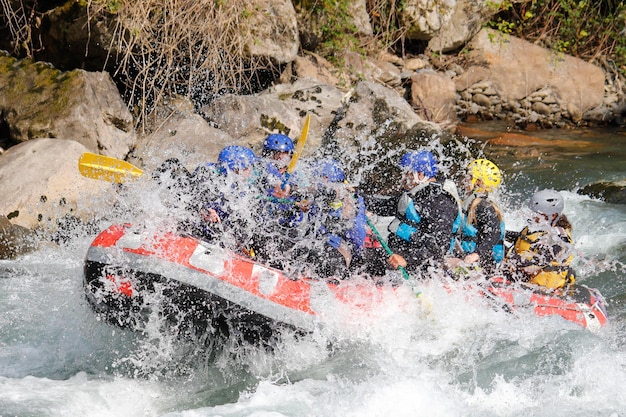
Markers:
<point>208,283</point>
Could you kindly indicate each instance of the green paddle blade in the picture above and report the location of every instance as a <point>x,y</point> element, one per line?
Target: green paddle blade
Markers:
<point>100,167</point>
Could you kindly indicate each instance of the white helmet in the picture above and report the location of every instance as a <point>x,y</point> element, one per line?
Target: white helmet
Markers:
<point>547,202</point>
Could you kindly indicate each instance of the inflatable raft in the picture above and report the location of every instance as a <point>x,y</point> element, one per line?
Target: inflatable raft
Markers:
<point>200,287</point>
<point>204,289</point>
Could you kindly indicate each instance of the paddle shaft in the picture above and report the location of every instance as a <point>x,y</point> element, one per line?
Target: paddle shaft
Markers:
<point>380,239</point>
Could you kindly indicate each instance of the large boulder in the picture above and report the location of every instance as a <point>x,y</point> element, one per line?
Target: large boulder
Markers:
<point>517,75</point>
<point>273,30</point>
<point>464,20</point>
<point>39,101</point>
<point>378,119</point>
<point>16,240</point>
<point>423,19</point>
<point>183,135</point>
<point>449,24</point>
<point>433,94</point>
<point>40,184</point>
<point>280,109</point>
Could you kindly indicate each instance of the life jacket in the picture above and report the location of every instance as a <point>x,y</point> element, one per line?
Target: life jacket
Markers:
<point>344,222</point>
<point>466,227</point>
<point>557,273</point>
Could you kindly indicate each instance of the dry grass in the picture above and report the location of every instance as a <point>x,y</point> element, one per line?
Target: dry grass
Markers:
<point>20,21</point>
<point>171,48</point>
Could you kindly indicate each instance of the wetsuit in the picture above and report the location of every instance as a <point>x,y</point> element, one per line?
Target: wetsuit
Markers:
<point>482,231</point>
<point>422,229</point>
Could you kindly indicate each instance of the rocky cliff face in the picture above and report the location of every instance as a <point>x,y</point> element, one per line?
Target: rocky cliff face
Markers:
<point>396,101</point>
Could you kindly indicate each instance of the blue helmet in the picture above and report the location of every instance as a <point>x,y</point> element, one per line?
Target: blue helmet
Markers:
<point>236,157</point>
<point>422,161</point>
<point>330,169</point>
<point>278,143</point>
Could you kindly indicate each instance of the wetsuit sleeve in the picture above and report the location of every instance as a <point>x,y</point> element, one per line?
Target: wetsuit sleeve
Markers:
<point>488,230</point>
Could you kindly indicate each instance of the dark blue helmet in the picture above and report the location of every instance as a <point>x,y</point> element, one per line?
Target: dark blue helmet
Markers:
<point>236,157</point>
<point>330,169</point>
<point>420,161</point>
<point>278,143</point>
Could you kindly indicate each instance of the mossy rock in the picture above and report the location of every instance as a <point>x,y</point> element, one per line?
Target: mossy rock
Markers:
<point>610,192</point>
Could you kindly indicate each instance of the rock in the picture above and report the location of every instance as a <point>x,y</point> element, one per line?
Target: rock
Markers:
<point>15,240</point>
<point>541,108</point>
<point>357,10</point>
<point>273,30</point>
<point>610,192</point>
<point>481,100</point>
<point>37,100</point>
<point>415,64</point>
<point>435,96</point>
<point>40,184</point>
<point>378,117</point>
<point>183,135</point>
<point>517,69</point>
<point>466,19</point>
<point>315,67</point>
<point>423,20</point>
<point>282,108</point>
<point>71,38</point>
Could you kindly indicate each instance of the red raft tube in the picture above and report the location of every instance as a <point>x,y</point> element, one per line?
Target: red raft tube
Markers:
<point>210,290</point>
<point>578,304</point>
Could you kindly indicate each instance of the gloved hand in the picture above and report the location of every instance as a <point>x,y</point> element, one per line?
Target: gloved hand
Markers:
<point>334,241</point>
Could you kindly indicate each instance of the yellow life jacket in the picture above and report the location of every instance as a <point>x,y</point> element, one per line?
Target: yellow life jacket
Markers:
<point>554,275</point>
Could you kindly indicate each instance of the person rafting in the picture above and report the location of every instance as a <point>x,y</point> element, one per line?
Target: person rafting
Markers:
<point>228,198</point>
<point>424,211</point>
<point>277,153</point>
<point>479,239</point>
<point>337,216</point>
<point>281,208</point>
<point>542,252</point>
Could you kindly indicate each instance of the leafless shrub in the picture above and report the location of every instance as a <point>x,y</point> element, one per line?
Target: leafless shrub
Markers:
<point>190,48</point>
<point>20,21</point>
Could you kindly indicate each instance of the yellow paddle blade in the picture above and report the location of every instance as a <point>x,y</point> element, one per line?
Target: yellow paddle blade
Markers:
<point>300,145</point>
<point>100,167</point>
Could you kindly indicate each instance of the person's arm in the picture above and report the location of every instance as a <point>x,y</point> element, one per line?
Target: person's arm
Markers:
<point>488,230</point>
<point>381,206</point>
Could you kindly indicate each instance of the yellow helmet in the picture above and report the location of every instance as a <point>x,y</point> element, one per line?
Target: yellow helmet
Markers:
<point>487,172</point>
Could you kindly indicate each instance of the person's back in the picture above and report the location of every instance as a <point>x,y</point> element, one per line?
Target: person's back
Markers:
<point>436,211</point>
<point>481,231</point>
<point>542,252</point>
<point>424,214</point>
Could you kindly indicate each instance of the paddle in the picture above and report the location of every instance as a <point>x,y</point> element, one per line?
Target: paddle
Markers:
<point>100,167</point>
<point>298,151</point>
<point>380,239</point>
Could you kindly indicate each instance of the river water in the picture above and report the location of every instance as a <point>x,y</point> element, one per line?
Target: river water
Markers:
<point>457,358</point>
